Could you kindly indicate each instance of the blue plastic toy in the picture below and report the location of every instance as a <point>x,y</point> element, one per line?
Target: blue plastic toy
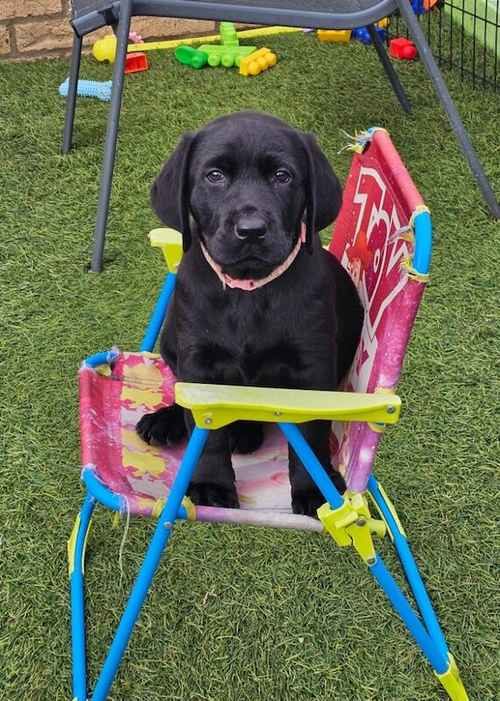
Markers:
<point>363,35</point>
<point>89,88</point>
<point>419,6</point>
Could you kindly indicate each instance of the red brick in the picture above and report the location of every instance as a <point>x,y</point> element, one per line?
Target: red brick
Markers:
<point>10,9</point>
<point>43,35</point>
<point>4,41</point>
<point>164,27</point>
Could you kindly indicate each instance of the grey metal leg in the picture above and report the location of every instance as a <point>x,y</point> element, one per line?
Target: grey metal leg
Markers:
<point>111,136</point>
<point>389,69</point>
<point>74,71</point>
<point>449,106</point>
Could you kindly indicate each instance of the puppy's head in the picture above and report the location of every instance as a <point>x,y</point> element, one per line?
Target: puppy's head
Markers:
<point>244,184</point>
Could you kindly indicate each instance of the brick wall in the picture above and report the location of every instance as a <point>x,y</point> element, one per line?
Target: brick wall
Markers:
<point>31,29</point>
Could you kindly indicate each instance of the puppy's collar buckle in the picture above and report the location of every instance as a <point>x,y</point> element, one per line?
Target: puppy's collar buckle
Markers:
<point>249,284</point>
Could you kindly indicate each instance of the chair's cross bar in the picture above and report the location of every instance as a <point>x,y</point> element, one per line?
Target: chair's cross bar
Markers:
<point>214,406</point>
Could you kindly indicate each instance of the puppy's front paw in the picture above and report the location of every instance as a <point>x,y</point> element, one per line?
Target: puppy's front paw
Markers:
<point>164,427</point>
<point>209,494</point>
<point>308,501</point>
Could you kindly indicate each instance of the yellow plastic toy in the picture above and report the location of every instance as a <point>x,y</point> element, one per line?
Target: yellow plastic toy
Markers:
<point>334,36</point>
<point>383,23</point>
<point>105,49</point>
<point>257,62</point>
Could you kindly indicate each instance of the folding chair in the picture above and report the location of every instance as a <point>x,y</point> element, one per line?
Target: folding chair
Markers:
<point>89,15</point>
<point>383,236</point>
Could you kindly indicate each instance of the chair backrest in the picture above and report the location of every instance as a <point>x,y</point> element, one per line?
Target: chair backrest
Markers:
<point>383,238</point>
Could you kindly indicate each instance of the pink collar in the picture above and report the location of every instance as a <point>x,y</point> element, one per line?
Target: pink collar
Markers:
<point>248,284</point>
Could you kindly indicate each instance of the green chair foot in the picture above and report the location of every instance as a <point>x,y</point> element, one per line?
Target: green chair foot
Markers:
<point>452,683</point>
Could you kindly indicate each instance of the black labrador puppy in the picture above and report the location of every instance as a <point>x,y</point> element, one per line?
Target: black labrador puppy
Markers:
<point>258,301</point>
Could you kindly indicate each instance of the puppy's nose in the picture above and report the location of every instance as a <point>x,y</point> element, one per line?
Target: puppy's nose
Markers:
<point>250,228</point>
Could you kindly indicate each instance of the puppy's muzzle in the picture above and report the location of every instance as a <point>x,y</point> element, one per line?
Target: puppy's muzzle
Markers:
<point>250,228</point>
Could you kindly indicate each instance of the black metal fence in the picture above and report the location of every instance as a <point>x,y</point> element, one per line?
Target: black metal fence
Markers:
<point>464,36</point>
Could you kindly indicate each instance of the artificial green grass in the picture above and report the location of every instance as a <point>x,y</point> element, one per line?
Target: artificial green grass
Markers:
<point>239,613</point>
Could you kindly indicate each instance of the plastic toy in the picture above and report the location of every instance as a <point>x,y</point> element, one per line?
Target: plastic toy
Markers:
<point>228,52</point>
<point>383,23</point>
<point>334,36</point>
<point>228,35</point>
<point>105,49</point>
<point>89,88</point>
<point>257,62</point>
<point>343,36</point>
<point>135,38</point>
<point>189,56</point>
<point>384,236</point>
<point>419,6</point>
<point>136,62</point>
<point>402,49</point>
<point>363,35</point>
<point>227,56</point>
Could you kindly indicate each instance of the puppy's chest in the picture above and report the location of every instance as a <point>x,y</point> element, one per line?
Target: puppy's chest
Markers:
<point>256,343</point>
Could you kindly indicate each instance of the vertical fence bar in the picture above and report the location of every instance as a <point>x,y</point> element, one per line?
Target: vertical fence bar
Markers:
<point>474,18</point>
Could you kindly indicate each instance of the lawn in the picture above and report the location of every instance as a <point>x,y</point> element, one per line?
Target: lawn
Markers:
<point>239,614</point>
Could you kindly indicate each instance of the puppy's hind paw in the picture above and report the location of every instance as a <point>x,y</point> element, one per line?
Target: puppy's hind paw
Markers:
<point>210,494</point>
<point>163,427</point>
<point>307,502</point>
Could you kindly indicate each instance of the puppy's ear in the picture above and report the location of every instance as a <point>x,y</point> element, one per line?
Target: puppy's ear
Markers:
<point>170,190</point>
<point>323,190</point>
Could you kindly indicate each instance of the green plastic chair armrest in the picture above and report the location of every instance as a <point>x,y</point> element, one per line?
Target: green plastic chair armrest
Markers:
<point>214,406</point>
<point>170,242</point>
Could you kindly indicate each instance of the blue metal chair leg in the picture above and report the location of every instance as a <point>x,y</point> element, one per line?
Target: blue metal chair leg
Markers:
<point>76,556</point>
<point>431,643</point>
<point>410,567</point>
<point>432,651</point>
<point>150,563</point>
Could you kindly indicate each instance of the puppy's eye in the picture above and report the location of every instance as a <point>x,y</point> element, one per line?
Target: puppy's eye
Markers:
<point>283,176</point>
<point>216,176</point>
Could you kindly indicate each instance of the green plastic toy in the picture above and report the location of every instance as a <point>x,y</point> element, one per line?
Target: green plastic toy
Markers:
<point>228,53</point>
<point>227,56</point>
<point>189,56</point>
<point>228,35</point>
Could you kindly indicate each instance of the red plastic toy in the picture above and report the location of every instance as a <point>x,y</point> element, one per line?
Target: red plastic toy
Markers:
<point>136,62</point>
<point>403,49</point>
